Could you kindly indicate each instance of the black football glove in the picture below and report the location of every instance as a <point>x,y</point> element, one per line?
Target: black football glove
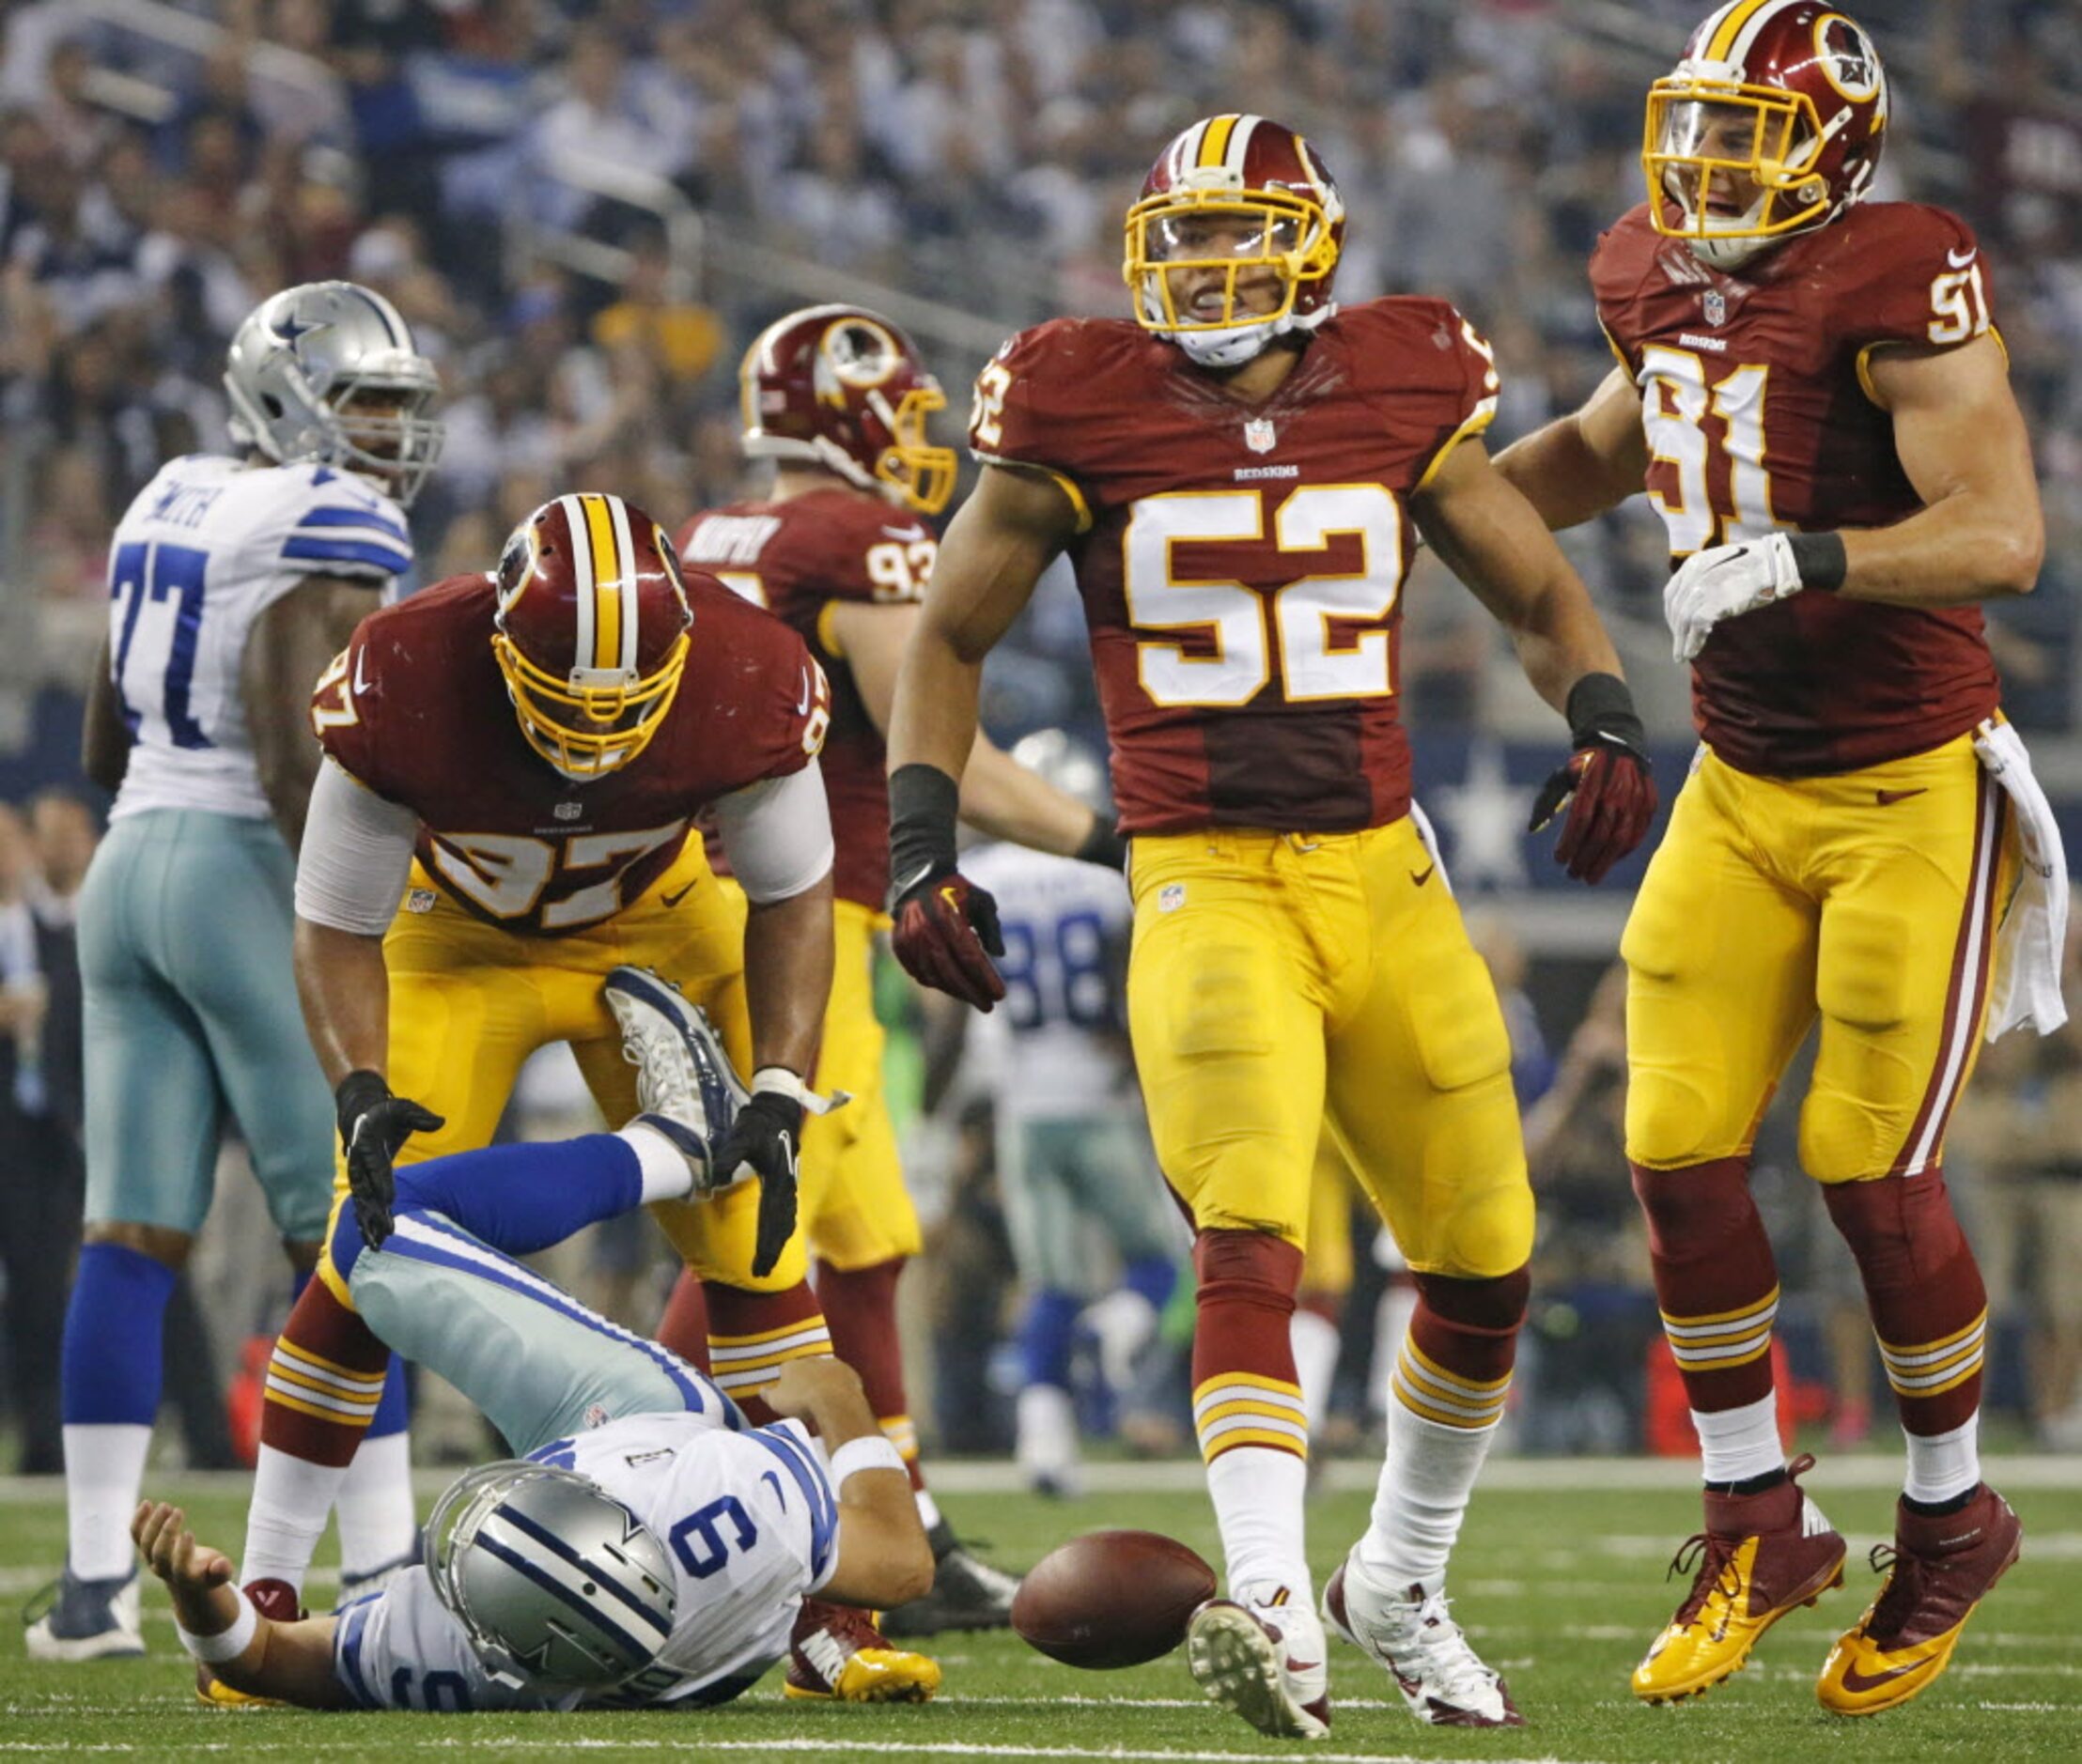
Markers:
<point>373,1125</point>
<point>765,1140</point>
<point>1606,784</point>
<point>946,927</point>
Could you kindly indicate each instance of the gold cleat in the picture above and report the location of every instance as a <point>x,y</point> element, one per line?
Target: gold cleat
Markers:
<point>1760,1556</point>
<point>1938,1570</point>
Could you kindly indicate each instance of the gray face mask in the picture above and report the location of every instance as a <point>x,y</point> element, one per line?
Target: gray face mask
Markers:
<point>328,372</point>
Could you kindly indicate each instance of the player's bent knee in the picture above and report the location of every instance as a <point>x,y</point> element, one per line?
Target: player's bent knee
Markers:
<point>1670,1118</point>
<point>161,1243</point>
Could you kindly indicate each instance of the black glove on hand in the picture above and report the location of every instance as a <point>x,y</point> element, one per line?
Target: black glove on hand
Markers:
<point>766,1136</point>
<point>373,1125</point>
<point>1606,784</point>
<point>946,927</point>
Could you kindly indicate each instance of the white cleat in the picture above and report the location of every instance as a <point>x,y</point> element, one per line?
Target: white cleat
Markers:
<point>85,1620</point>
<point>1264,1661</point>
<point>684,1083</point>
<point>1443,1679</point>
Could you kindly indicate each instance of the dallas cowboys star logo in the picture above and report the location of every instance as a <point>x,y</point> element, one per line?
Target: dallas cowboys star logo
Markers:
<point>289,329</point>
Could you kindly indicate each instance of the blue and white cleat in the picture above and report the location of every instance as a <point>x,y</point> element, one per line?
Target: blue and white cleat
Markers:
<point>85,1619</point>
<point>686,1085</point>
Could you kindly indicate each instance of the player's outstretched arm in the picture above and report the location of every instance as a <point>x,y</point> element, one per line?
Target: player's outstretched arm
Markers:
<point>1005,536</point>
<point>1492,539</point>
<point>289,647</point>
<point>1579,465</point>
<point>998,797</point>
<point>219,1626</point>
<point>884,1557</point>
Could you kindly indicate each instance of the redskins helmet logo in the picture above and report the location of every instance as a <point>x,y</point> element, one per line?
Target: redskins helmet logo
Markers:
<point>856,353</point>
<point>1846,57</point>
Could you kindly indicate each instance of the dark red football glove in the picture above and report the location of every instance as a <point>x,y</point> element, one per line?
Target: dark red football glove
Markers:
<point>1606,785</point>
<point>946,927</point>
<point>946,933</point>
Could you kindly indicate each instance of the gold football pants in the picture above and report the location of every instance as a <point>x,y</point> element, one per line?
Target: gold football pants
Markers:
<point>469,1002</point>
<point>1284,985</point>
<point>1870,900</point>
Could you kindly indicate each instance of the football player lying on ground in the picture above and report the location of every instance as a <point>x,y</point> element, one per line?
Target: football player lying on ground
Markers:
<point>647,1545</point>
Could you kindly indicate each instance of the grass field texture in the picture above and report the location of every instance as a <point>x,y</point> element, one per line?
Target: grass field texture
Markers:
<point>1558,1577</point>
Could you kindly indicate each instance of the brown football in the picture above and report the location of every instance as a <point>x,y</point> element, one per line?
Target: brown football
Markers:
<point>1112,1598</point>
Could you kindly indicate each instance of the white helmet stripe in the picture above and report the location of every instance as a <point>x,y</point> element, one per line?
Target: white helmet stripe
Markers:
<point>582,576</point>
<point>1705,33</point>
<point>1753,26</point>
<point>625,551</point>
<point>1239,144</point>
<point>1186,151</point>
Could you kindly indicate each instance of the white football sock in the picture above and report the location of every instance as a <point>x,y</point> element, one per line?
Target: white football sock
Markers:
<point>1426,1478</point>
<point>1738,1443</point>
<point>292,1498</point>
<point>1048,1435</point>
<point>928,1509</point>
<point>104,1472</point>
<point>378,1523</point>
<point>1258,1492</point>
<point>1315,1349</point>
<point>1942,1466</point>
<point>666,1173</point>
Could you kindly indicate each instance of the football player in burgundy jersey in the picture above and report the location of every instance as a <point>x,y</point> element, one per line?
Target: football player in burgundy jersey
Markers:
<point>519,757</point>
<point>839,550</point>
<point>1812,395</point>
<point>1237,476</point>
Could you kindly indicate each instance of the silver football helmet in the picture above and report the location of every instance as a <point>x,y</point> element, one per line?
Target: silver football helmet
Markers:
<point>1067,763</point>
<point>559,1586</point>
<point>302,361</point>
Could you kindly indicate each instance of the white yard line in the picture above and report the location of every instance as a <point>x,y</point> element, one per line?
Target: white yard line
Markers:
<point>248,1746</point>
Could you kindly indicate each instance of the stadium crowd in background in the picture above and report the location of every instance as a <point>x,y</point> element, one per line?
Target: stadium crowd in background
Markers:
<point>975,154</point>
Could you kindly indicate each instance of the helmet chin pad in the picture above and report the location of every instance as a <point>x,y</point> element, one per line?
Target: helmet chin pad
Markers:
<point>1235,344</point>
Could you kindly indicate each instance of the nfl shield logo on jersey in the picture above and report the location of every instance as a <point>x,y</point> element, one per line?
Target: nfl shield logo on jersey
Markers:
<point>568,810</point>
<point>1259,434</point>
<point>1716,304</point>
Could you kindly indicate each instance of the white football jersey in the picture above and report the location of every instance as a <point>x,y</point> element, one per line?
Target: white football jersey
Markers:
<point>1065,925</point>
<point>747,1517</point>
<point>209,545</point>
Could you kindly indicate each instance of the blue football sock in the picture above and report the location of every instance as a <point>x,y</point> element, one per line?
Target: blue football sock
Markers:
<point>109,1369</point>
<point>1153,1277</point>
<point>1045,1337</point>
<point>516,1197</point>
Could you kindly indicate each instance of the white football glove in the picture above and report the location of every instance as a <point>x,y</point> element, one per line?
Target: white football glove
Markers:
<point>1724,583</point>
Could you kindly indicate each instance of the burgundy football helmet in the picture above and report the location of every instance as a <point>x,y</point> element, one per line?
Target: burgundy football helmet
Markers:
<point>1773,122</point>
<point>839,387</point>
<point>1231,196</point>
<point>591,630</point>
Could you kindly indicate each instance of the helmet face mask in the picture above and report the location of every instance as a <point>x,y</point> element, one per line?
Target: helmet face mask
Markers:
<point>1233,240</point>
<point>1772,124</point>
<point>843,388</point>
<point>558,1585</point>
<point>591,631</point>
<point>328,372</point>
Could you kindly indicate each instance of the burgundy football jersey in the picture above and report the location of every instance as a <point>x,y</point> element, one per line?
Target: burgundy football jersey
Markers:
<point>1754,401</point>
<point>1242,564</point>
<point>796,558</point>
<point>419,713</point>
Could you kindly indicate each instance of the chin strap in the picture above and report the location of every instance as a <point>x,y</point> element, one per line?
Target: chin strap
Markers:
<point>1235,344</point>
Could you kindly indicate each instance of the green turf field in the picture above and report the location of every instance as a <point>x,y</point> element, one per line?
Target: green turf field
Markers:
<point>1559,1577</point>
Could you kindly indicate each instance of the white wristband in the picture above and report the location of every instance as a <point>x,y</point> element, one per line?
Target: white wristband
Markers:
<point>782,1082</point>
<point>226,1643</point>
<point>871,1452</point>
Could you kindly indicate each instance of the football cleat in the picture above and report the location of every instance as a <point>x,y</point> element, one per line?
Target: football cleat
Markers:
<point>1264,1660</point>
<point>967,1594</point>
<point>276,1600</point>
<point>1443,1681</point>
<point>85,1619</point>
<point>684,1083</point>
<point>1761,1556</point>
<point>1938,1570</point>
<point>837,1655</point>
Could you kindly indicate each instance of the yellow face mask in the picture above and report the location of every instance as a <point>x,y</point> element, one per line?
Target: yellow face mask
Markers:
<point>1729,161</point>
<point>921,474</point>
<point>1214,259</point>
<point>589,731</point>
